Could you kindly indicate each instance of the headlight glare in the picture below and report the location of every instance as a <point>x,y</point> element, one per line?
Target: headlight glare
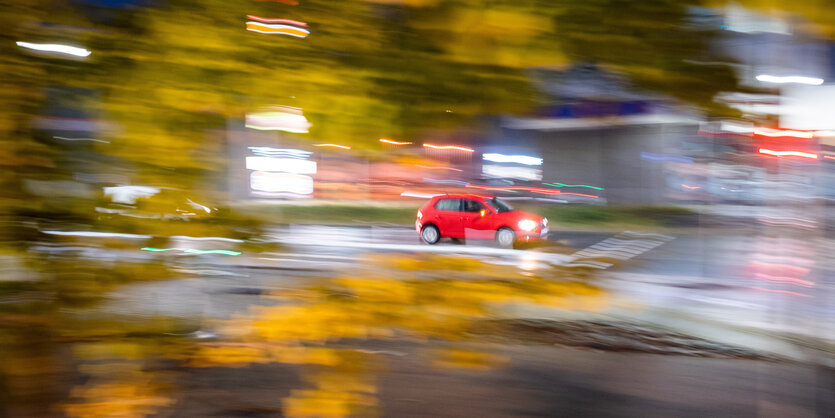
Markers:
<point>527,225</point>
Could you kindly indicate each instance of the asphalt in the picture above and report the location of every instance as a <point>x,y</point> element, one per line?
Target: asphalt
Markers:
<point>759,290</point>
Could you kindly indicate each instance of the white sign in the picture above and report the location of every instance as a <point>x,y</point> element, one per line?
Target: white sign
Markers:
<point>285,165</point>
<point>505,172</point>
<point>280,182</point>
<point>519,159</point>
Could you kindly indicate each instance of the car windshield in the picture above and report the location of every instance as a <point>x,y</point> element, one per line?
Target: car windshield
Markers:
<point>499,205</point>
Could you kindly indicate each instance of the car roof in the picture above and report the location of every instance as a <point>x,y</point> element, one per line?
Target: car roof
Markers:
<point>463,196</point>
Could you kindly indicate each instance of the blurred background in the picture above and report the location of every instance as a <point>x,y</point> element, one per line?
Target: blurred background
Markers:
<point>209,208</point>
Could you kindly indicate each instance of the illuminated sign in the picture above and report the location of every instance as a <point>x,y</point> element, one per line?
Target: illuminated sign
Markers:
<point>518,159</point>
<point>263,181</point>
<point>287,165</point>
<point>511,172</point>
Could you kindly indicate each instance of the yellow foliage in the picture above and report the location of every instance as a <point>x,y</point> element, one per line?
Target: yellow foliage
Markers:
<point>108,350</point>
<point>379,290</point>
<point>228,356</point>
<point>117,390</point>
<point>318,403</point>
<point>305,355</point>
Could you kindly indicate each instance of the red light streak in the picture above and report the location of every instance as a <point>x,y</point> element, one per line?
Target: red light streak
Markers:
<point>829,157</point>
<point>777,133</point>
<point>447,147</point>
<point>285,21</point>
<point>785,279</point>
<point>788,153</point>
<point>779,291</point>
<point>690,187</point>
<point>530,189</point>
<point>770,266</point>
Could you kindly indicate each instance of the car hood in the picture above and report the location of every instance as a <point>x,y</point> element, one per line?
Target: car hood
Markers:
<point>518,215</point>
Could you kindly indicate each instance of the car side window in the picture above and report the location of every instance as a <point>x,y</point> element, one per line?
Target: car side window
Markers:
<point>473,206</point>
<point>448,204</point>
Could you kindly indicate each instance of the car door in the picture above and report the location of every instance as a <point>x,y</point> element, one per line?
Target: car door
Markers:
<point>475,219</point>
<point>448,217</point>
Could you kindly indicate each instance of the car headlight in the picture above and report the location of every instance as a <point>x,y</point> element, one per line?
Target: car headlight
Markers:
<point>527,225</point>
<point>419,215</point>
<point>544,221</point>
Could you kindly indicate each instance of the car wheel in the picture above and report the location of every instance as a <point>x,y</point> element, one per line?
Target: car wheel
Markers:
<point>430,234</point>
<point>505,237</point>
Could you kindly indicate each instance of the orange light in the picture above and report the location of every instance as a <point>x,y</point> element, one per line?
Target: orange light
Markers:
<point>776,133</point>
<point>788,153</point>
<point>690,187</point>
<point>280,29</point>
<point>438,168</point>
<point>389,141</point>
<point>331,145</point>
<point>447,147</point>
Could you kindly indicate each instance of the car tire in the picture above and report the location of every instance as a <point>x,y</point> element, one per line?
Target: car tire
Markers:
<point>430,234</point>
<point>505,237</point>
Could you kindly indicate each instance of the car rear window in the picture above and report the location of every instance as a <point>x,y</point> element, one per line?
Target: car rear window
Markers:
<point>448,204</point>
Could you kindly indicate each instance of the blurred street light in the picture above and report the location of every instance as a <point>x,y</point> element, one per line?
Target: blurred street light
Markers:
<point>453,147</point>
<point>389,141</point>
<point>62,49</point>
<point>790,79</point>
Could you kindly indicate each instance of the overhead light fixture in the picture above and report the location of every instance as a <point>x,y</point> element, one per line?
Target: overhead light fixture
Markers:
<point>790,79</point>
<point>520,159</point>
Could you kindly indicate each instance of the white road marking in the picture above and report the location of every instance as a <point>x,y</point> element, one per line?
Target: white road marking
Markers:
<point>618,248</point>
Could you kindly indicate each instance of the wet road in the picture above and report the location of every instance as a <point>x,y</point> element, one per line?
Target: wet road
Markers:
<point>763,277</point>
<point>715,285</point>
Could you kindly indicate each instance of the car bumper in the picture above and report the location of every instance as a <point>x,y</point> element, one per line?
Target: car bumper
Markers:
<point>536,235</point>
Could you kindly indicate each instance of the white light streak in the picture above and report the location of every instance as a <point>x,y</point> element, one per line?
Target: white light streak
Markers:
<point>790,79</point>
<point>520,159</point>
<point>62,49</point>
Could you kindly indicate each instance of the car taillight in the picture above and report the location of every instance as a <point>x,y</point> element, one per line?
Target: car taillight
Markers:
<point>419,215</point>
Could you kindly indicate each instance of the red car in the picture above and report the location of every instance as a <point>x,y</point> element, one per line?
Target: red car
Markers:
<point>477,217</point>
